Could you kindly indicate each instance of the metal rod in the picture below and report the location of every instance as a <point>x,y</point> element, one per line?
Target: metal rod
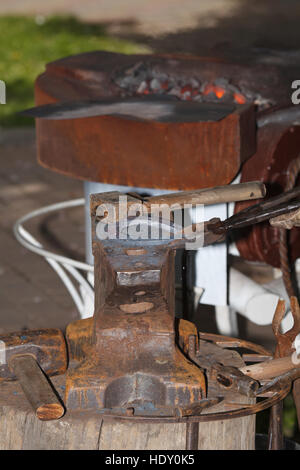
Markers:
<point>192,435</point>
<point>37,388</point>
<point>219,194</point>
<point>275,427</point>
<point>296,395</point>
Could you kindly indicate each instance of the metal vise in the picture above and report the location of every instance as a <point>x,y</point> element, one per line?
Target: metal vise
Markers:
<point>129,361</point>
<point>130,358</point>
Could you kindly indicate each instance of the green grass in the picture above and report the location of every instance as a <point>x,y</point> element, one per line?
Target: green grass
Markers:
<point>26,46</point>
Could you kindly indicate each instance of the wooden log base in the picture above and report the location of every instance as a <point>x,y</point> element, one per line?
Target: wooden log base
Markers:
<point>20,429</point>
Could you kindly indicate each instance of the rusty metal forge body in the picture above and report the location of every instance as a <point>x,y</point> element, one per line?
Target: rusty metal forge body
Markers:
<point>107,148</point>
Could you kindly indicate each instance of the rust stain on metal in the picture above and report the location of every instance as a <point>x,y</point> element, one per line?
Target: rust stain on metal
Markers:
<point>107,148</point>
<point>128,356</point>
<point>47,346</point>
<point>277,146</point>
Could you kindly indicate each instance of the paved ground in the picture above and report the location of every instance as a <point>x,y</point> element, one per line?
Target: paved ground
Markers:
<point>197,26</point>
<point>155,16</point>
<point>31,294</point>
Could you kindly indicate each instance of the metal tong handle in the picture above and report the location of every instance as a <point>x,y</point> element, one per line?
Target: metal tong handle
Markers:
<point>262,211</point>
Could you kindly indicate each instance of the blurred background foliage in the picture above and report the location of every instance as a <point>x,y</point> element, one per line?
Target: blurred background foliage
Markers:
<point>28,43</point>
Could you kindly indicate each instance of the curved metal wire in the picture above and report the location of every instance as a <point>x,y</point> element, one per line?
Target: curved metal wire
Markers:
<point>59,263</point>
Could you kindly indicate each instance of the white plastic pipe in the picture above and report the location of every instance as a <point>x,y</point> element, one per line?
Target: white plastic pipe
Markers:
<point>250,299</point>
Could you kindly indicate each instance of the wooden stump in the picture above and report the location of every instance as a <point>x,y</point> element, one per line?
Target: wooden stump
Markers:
<point>20,429</point>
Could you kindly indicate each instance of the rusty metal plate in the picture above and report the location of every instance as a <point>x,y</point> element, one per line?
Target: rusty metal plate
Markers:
<point>148,108</point>
<point>278,145</point>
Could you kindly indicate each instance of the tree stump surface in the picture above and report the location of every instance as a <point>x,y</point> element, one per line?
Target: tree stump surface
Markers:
<point>20,429</point>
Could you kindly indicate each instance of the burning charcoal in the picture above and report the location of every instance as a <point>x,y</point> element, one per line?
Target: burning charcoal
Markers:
<point>142,87</point>
<point>155,84</point>
<point>257,99</point>
<point>142,79</point>
<point>126,82</point>
<point>186,88</point>
<point>187,96</point>
<point>175,91</point>
<point>212,89</point>
<point>198,98</point>
<point>162,77</point>
<point>236,94</point>
<point>186,92</point>
<point>131,83</point>
<point>219,91</point>
<point>233,88</point>
<point>132,77</point>
<point>137,70</point>
<point>194,83</point>
<point>210,97</point>
<point>263,103</point>
<point>228,97</point>
<point>208,89</point>
<point>195,92</point>
<point>248,94</point>
<point>222,82</point>
<point>208,93</point>
<point>165,85</point>
<point>203,86</point>
<point>239,98</point>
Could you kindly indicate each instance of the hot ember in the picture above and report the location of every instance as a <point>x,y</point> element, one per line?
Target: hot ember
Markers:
<point>143,80</point>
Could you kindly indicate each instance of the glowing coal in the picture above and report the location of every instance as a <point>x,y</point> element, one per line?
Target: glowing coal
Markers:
<point>144,80</point>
